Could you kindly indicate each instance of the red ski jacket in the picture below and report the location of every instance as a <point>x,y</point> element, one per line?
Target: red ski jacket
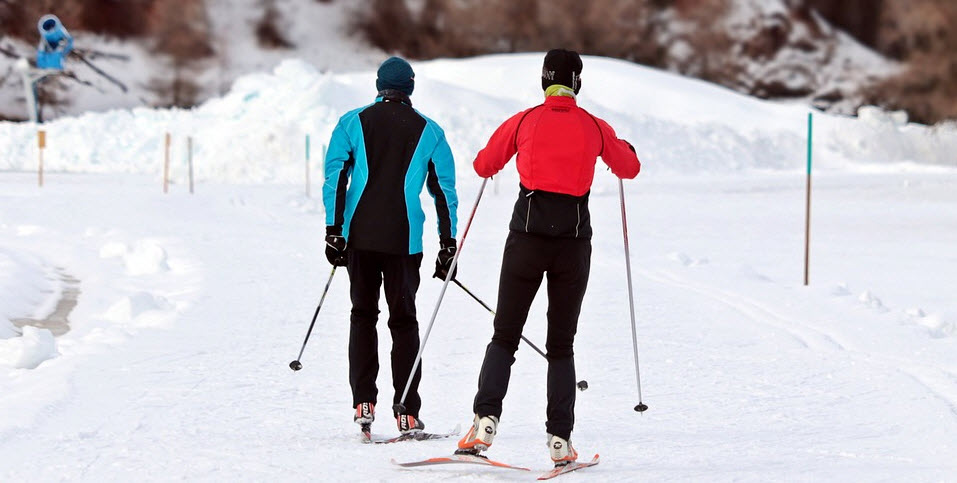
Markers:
<point>557,145</point>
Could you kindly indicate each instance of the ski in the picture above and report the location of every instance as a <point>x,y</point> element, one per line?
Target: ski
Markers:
<point>416,436</point>
<point>459,459</point>
<point>561,470</point>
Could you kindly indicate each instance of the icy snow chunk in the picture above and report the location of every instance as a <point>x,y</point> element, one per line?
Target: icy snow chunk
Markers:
<point>29,350</point>
<point>876,116</point>
<point>129,308</point>
<point>870,300</point>
<point>915,312</point>
<point>144,258</point>
<point>939,325</point>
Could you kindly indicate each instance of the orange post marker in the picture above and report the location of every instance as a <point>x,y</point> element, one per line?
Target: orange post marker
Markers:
<point>41,144</point>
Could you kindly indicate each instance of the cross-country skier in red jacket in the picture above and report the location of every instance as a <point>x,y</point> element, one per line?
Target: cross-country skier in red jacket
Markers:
<point>557,144</point>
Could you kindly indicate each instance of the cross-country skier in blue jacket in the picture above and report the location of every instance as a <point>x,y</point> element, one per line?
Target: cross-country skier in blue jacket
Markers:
<point>379,158</point>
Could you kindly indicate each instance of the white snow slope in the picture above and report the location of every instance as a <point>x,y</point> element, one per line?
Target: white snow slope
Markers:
<point>192,306</point>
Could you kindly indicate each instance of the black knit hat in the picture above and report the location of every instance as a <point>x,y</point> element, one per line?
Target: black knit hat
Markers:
<point>395,73</point>
<point>563,67</point>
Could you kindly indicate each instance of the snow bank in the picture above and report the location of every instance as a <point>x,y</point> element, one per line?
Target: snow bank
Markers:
<point>256,132</point>
<point>28,351</point>
<point>27,290</point>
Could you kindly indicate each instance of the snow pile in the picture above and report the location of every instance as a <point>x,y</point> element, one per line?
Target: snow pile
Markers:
<point>139,307</point>
<point>26,289</point>
<point>29,350</point>
<point>939,325</point>
<point>146,257</point>
<point>256,133</point>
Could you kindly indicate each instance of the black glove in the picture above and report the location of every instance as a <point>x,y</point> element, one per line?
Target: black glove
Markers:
<point>443,262</point>
<point>336,251</point>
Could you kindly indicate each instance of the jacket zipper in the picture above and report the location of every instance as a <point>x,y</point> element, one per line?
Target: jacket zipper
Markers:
<point>578,209</point>
<point>528,211</point>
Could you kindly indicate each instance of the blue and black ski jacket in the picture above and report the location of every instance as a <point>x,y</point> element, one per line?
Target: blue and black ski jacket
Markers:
<point>379,158</point>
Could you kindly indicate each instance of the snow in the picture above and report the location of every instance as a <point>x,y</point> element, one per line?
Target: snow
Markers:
<point>319,32</point>
<point>191,306</point>
<point>29,350</point>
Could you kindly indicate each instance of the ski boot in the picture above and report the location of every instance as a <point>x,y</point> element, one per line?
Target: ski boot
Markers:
<point>480,435</point>
<point>561,450</point>
<point>365,415</point>
<point>409,424</point>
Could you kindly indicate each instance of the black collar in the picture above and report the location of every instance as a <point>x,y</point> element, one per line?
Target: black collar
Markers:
<point>393,95</point>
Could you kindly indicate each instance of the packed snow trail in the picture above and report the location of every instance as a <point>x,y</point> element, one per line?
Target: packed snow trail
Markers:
<point>192,306</point>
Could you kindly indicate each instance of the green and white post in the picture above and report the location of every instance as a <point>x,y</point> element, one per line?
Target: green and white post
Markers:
<point>307,166</point>
<point>807,208</point>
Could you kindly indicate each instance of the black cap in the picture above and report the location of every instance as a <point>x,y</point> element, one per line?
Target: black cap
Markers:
<point>563,67</point>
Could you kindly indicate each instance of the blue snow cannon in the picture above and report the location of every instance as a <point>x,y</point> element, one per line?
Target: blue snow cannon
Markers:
<point>55,43</point>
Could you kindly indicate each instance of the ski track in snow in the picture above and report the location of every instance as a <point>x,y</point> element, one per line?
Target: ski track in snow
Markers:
<point>941,383</point>
<point>747,378</point>
<point>192,306</point>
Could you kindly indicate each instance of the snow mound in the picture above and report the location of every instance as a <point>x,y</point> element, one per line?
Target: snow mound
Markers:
<point>26,288</point>
<point>132,307</point>
<point>146,257</point>
<point>29,350</point>
<point>939,325</point>
<point>256,132</point>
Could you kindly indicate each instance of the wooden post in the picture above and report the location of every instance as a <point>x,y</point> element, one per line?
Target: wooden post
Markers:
<point>807,208</point>
<point>41,144</point>
<point>166,165</point>
<point>189,150</point>
<point>307,166</point>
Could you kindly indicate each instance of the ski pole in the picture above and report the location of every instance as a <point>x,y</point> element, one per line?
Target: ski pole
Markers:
<point>296,365</point>
<point>399,407</point>
<point>582,385</point>
<point>641,407</point>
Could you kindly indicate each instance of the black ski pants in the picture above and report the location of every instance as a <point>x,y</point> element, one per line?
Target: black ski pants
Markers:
<point>368,271</point>
<point>527,259</point>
